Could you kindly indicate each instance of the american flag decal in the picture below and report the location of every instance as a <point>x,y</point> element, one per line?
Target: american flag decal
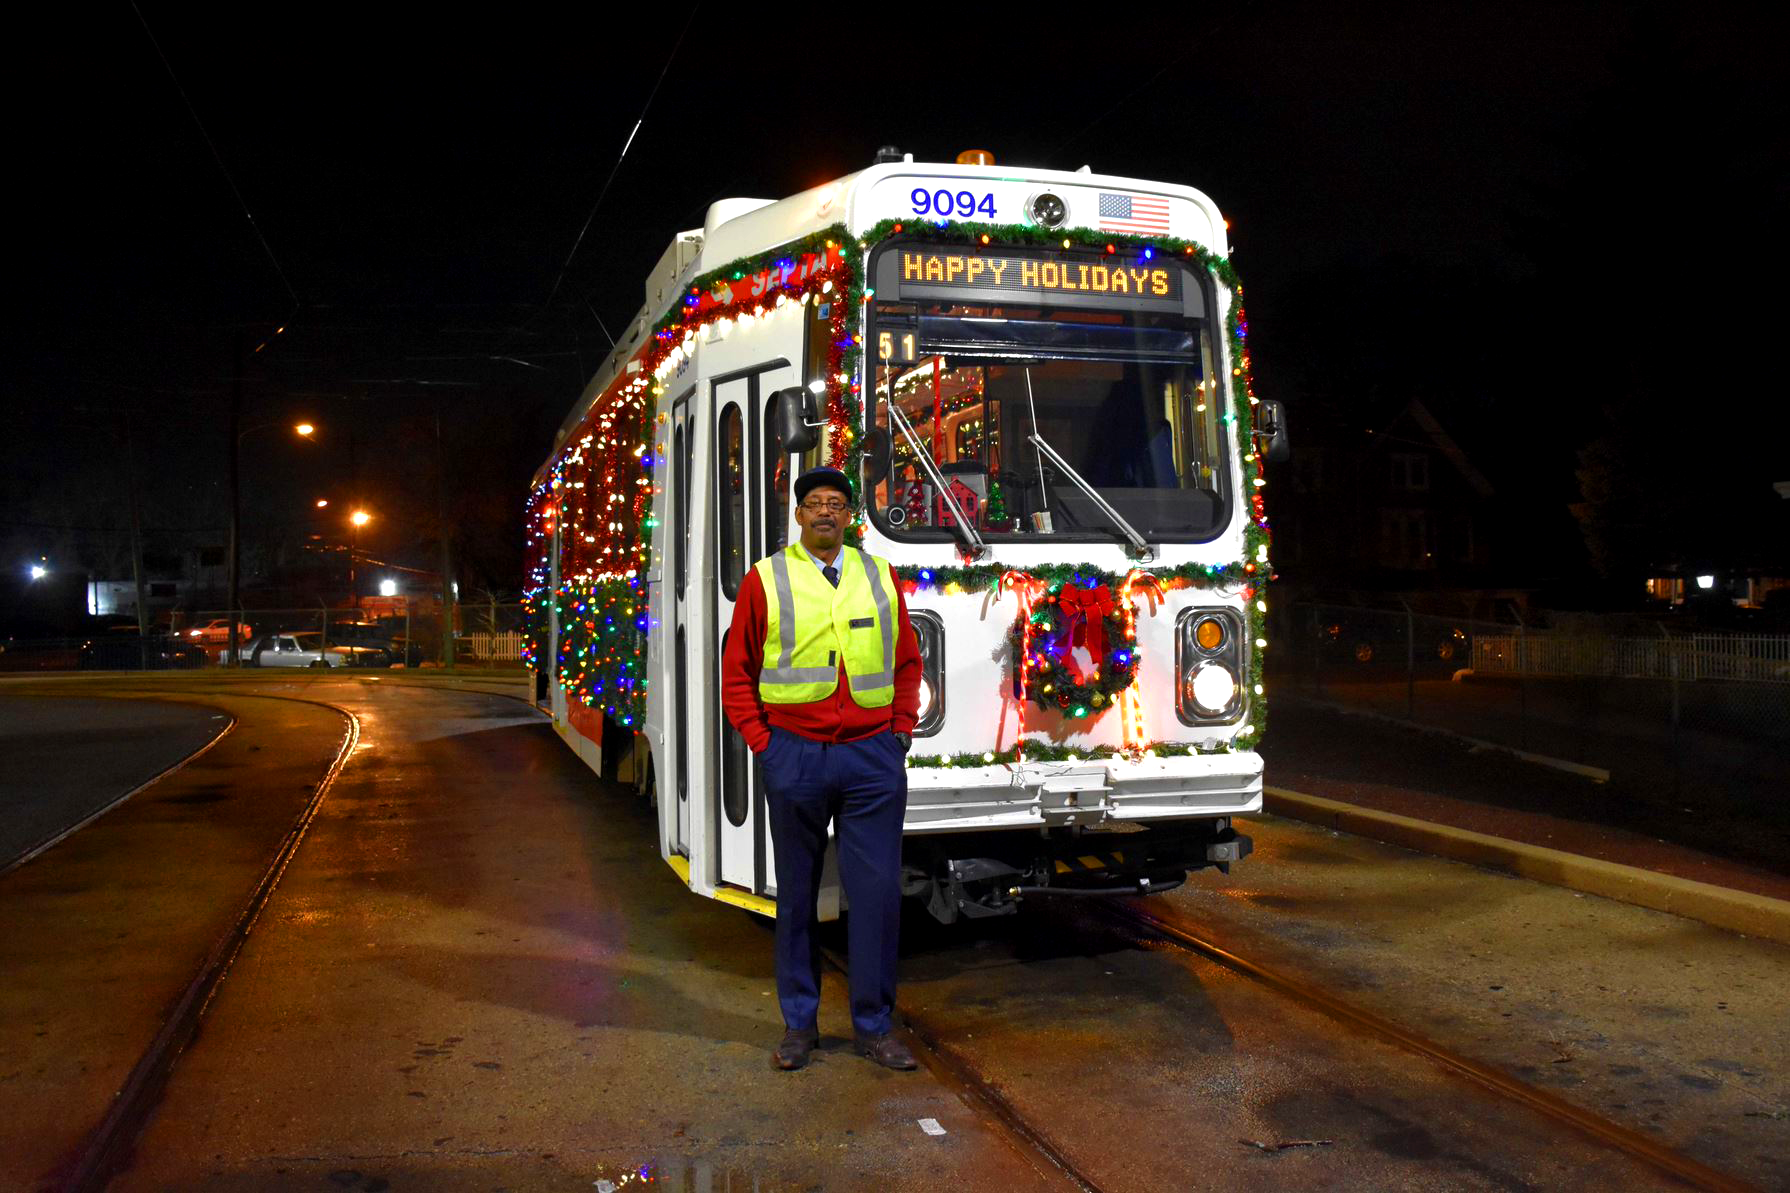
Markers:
<point>1141,215</point>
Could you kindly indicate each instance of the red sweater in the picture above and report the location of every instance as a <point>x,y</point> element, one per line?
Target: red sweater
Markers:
<point>836,718</point>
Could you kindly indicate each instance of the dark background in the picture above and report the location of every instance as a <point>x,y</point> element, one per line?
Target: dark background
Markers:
<point>1558,225</point>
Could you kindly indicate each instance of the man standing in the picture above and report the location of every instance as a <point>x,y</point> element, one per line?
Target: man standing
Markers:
<point>821,676</point>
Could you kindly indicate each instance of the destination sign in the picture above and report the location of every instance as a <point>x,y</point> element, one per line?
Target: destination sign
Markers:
<point>921,272</point>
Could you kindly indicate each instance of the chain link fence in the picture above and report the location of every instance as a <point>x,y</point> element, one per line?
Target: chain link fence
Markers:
<point>487,634</point>
<point>1702,712</point>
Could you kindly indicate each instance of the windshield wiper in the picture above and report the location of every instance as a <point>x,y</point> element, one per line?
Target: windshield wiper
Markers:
<point>973,541</point>
<point>1139,546</point>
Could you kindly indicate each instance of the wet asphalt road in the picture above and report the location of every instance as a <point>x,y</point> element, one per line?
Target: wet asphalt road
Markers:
<point>477,973</point>
<point>63,760</point>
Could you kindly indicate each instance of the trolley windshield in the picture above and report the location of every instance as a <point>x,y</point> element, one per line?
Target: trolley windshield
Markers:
<point>1106,359</point>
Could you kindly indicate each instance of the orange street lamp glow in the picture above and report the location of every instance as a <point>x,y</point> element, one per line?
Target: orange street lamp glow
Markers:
<point>323,503</point>
<point>360,517</point>
<point>304,428</point>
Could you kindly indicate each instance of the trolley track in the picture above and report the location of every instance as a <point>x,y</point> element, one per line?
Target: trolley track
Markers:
<point>1034,1141</point>
<point>1647,1151</point>
<point>958,1072</point>
<point>109,1143</point>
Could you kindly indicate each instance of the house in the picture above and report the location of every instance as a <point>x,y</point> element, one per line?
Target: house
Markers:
<point>1386,509</point>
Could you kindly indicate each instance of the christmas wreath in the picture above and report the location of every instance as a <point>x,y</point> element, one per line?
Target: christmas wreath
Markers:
<point>1044,639</point>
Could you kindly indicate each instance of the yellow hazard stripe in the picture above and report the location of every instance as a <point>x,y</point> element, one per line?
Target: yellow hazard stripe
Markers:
<point>746,899</point>
<point>726,894</point>
<point>1090,861</point>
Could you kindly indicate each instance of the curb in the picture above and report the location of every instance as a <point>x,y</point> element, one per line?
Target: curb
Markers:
<point>1722,907</point>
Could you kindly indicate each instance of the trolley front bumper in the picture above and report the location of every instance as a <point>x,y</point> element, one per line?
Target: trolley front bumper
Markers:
<point>948,799</point>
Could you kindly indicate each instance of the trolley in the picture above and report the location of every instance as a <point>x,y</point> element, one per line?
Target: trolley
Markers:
<point>1040,381</point>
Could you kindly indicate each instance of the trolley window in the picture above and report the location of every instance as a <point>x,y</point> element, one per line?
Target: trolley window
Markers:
<point>978,352</point>
<point>776,483</point>
<point>680,541</point>
<point>731,492</point>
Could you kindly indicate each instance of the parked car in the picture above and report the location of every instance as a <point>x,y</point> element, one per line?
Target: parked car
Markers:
<point>397,647</point>
<point>308,650</point>
<point>216,632</point>
<point>409,652</point>
<point>115,651</point>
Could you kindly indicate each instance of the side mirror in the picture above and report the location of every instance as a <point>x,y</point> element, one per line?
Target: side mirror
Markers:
<point>879,456</point>
<point>798,419</point>
<point>1271,425</point>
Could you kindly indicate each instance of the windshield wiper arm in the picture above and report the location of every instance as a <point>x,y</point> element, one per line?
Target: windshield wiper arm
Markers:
<point>973,540</point>
<point>1139,546</point>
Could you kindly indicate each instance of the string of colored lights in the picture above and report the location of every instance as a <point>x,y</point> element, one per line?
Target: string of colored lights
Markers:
<point>600,489</point>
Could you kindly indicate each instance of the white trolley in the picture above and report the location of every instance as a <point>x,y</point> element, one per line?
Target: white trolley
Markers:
<point>1041,380</point>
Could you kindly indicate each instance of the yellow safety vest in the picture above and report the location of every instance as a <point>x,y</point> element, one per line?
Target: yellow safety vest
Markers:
<point>811,627</point>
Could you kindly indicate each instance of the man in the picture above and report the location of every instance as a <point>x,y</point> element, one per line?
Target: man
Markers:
<point>821,676</point>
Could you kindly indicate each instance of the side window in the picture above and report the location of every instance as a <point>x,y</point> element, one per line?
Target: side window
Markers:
<point>776,484</point>
<point>731,493</point>
<point>680,529</point>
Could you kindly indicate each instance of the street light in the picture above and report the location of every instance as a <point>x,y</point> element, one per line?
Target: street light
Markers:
<point>39,571</point>
<point>357,519</point>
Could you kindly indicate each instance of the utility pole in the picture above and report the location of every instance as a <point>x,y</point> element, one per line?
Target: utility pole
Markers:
<point>130,480</point>
<point>235,434</point>
<point>447,551</point>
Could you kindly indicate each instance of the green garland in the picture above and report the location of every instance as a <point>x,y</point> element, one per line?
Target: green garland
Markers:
<point>984,576</point>
<point>1037,751</point>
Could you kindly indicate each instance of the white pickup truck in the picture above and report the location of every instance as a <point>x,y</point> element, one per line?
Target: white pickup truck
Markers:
<point>307,650</point>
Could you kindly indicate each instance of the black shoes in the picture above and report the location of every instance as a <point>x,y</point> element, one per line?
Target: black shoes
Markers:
<point>886,1051</point>
<point>793,1052</point>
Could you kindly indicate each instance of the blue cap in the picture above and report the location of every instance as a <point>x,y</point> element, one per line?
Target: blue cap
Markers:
<point>822,478</point>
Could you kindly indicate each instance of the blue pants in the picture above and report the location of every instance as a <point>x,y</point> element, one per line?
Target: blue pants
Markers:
<point>863,786</point>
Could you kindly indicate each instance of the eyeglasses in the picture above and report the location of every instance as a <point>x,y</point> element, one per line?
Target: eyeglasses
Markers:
<point>831,506</point>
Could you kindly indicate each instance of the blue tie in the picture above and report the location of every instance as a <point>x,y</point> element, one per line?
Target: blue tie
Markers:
<point>831,573</point>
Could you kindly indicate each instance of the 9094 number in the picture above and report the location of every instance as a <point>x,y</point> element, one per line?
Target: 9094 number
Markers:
<point>944,203</point>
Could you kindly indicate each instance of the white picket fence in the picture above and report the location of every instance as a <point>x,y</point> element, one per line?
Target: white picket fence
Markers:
<point>1693,656</point>
<point>500,647</point>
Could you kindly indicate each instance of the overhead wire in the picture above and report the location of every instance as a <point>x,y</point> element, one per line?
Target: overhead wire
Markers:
<point>217,157</point>
<point>616,168</point>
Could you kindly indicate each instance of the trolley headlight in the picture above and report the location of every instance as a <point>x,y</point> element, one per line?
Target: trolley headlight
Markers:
<point>1047,210</point>
<point>1211,688</point>
<point>1210,660</point>
<point>929,629</point>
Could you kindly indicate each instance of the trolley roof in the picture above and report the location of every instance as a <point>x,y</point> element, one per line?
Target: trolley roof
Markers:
<point>735,228</point>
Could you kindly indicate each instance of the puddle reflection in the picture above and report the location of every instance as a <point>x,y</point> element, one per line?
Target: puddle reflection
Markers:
<point>681,1175</point>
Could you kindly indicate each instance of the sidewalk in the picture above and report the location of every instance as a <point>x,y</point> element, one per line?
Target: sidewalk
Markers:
<point>1368,773</point>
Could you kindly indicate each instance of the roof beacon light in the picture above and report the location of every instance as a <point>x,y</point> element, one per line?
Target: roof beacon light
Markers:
<point>975,157</point>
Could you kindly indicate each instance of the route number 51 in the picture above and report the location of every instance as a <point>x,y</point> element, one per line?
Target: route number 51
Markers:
<point>899,349</point>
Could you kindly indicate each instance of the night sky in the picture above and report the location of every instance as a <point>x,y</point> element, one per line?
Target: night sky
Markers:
<point>1551,222</point>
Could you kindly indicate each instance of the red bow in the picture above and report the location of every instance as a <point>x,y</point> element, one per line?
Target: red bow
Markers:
<point>1085,610</point>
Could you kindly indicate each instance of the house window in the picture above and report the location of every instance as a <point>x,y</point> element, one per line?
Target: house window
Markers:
<point>1463,539</point>
<point>1410,470</point>
<point>1405,539</point>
